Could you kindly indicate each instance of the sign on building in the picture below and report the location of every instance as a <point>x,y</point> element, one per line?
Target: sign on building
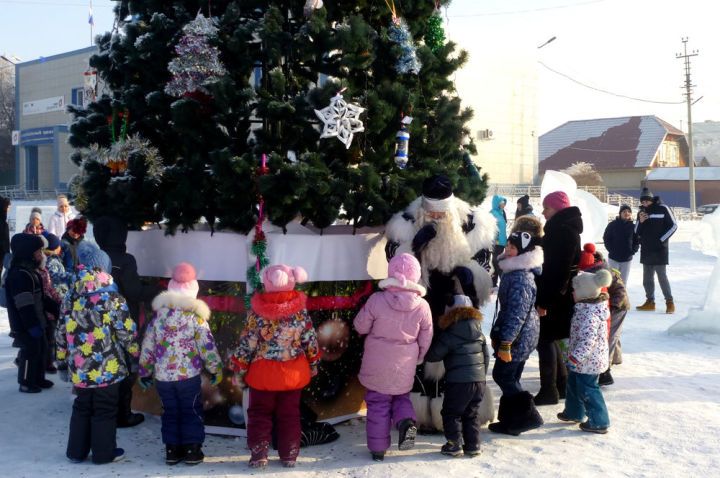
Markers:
<point>46,105</point>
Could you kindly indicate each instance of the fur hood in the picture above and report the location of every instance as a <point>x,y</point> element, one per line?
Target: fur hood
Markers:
<point>529,224</point>
<point>527,261</point>
<point>391,282</point>
<point>173,300</point>
<point>459,313</point>
<point>267,309</point>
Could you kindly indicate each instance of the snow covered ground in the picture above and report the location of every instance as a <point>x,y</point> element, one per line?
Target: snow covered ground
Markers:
<point>664,411</point>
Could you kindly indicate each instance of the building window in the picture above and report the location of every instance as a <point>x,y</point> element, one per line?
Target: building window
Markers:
<point>77,96</point>
<point>669,155</point>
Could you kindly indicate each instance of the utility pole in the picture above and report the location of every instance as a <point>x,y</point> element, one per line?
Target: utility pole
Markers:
<point>688,98</point>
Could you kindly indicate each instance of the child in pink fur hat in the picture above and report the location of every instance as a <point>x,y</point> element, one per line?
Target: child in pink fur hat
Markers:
<point>398,324</point>
<point>277,355</point>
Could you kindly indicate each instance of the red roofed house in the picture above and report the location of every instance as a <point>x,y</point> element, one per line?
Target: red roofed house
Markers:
<point>623,150</point>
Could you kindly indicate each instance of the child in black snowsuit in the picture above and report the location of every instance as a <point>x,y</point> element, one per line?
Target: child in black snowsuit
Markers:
<point>462,347</point>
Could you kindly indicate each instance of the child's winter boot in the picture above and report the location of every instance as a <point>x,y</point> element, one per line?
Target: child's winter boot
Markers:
<point>451,448</point>
<point>378,455</point>
<point>407,431</point>
<point>670,307</point>
<point>173,454</point>
<point>194,454</point>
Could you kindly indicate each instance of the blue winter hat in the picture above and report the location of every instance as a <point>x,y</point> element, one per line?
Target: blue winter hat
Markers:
<point>91,256</point>
<point>53,240</point>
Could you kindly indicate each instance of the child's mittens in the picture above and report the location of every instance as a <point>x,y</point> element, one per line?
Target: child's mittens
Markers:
<point>237,381</point>
<point>420,361</point>
<point>313,371</point>
<point>145,382</point>
<point>215,379</point>
<point>504,352</point>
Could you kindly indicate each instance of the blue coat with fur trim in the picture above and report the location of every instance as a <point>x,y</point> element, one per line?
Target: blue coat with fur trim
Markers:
<point>517,321</point>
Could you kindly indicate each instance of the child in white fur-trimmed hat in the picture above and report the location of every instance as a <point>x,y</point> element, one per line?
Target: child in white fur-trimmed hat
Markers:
<point>177,347</point>
<point>587,353</point>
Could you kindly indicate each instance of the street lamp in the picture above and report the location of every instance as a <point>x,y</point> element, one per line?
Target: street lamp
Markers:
<point>549,41</point>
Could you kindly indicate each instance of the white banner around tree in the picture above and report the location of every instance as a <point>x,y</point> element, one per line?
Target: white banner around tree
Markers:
<point>224,256</point>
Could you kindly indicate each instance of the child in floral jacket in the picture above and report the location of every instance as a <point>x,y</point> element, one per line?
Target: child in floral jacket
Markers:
<point>277,355</point>
<point>94,328</point>
<point>587,353</point>
<point>177,346</point>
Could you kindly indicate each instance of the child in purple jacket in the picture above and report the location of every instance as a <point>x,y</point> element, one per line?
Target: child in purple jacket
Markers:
<point>398,324</point>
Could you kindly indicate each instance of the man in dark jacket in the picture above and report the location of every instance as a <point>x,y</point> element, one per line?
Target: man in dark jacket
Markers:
<point>554,301</point>
<point>111,234</point>
<point>26,313</point>
<point>461,346</point>
<point>4,230</point>
<point>655,225</point>
<point>621,242</point>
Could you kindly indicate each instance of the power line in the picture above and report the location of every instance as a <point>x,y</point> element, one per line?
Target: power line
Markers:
<point>532,10</point>
<point>54,4</point>
<point>608,92</point>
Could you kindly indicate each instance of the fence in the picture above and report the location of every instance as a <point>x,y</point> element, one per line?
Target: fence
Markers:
<point>21,194</point>
<point>600,192</point>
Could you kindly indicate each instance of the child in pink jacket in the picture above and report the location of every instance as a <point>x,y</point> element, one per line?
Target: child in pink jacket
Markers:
<point>398,324</point>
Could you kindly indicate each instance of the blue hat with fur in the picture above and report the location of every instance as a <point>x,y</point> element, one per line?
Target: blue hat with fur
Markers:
<point>91,256</point>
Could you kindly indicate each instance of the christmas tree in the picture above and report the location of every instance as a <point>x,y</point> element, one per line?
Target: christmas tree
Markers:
<point>285,63</point>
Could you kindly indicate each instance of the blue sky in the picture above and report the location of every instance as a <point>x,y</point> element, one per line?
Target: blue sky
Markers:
<point>624,46</point>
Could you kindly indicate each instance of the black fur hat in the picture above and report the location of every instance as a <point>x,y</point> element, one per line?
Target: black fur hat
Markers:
<point>437,187</point>
<point>523,241</point>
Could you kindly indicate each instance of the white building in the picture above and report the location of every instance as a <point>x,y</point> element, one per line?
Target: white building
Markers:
<point>503,95</point>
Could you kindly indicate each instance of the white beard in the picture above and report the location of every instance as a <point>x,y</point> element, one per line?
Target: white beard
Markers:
<point>449,248</point>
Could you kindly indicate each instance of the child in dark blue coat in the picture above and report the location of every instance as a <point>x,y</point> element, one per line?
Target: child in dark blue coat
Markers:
<point>462,348</point>
<point>515,332</point>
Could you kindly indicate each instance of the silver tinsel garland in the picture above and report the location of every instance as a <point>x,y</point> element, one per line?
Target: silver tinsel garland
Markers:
<point>197,63</point>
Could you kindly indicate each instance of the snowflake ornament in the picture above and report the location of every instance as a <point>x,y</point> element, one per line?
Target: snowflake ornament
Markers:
<point>340,120</point>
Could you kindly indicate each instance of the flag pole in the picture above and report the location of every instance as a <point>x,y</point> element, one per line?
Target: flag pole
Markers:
<point>91,20</point>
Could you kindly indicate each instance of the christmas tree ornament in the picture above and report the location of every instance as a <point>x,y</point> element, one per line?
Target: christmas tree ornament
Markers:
<point>311,6</point>
<point>341,120</point>
<point>197,63</point>
<point>399,32</point>
<point>333,338</point>
<point>434,33</point>
<point>259,244</point>
<point>402,142</point>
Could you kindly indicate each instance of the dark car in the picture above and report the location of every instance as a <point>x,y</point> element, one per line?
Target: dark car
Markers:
<point>707,208</point>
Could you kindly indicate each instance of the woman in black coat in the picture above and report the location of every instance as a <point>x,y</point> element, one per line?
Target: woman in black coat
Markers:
<point>554,301</point>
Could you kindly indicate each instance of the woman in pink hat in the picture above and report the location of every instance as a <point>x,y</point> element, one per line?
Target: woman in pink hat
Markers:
<point>277,356</point>
<point>554,301</point>
<point>398,324</point>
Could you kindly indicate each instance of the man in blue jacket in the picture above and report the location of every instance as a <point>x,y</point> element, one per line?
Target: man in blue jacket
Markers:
<point>655,225</point>
<point>621,242</point>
